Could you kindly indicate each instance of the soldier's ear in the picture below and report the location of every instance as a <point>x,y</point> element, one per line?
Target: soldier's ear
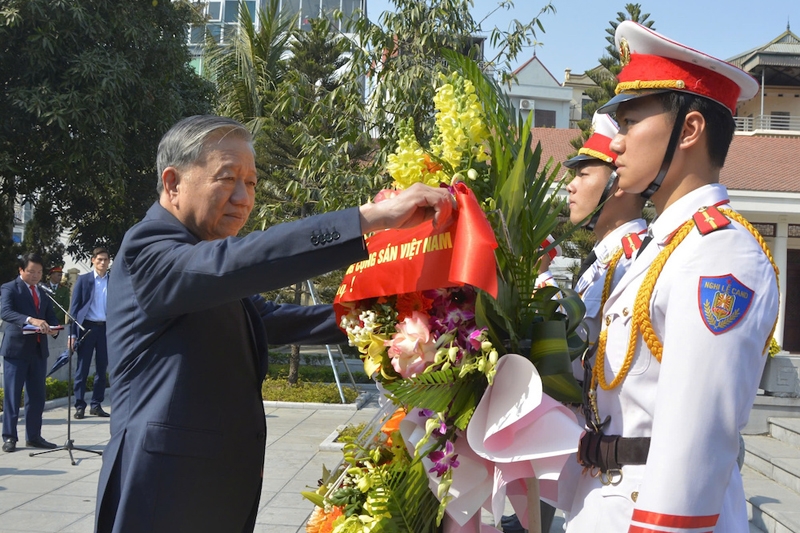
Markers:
<point>693,127</point>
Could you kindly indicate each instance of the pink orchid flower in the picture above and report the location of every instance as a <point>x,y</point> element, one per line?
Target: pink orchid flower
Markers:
<point>412,348</point>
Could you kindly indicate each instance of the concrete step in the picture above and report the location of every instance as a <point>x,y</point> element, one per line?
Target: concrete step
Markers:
<point>774,459</point>
<point>766,407</point>
<point>754,528</point>
<point>786,430</point>
<point>771,507</point>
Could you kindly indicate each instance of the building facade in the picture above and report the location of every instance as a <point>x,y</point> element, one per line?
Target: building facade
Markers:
<point>537,91</point>
<point>222,18</point>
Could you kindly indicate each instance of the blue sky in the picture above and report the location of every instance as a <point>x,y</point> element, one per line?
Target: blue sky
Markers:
<point>575,35</point>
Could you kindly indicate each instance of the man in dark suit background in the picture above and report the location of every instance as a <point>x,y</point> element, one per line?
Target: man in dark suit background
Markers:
<point>190,338</point>
<point>89,309</point>
<point>25,356</point>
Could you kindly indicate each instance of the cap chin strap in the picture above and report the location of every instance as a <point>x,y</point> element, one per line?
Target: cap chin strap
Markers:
<point>673,144</point>
<point>612,181</point>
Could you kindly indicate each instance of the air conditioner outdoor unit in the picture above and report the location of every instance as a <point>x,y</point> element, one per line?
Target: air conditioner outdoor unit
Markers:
<point>526,104</point>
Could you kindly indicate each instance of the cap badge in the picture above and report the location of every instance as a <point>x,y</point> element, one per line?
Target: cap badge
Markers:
<point>624,52</point>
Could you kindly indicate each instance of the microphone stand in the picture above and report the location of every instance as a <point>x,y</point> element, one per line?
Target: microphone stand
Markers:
<point>69,445</point>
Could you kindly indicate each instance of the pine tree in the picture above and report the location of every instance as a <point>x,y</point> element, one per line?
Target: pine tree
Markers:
<point>605,75</point>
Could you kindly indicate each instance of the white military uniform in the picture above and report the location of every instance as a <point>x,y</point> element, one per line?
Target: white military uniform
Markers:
<point>590,287</point>
<point>696,401</point>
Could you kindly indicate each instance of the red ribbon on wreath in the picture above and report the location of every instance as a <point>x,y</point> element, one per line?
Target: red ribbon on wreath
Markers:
<point>424,257</point>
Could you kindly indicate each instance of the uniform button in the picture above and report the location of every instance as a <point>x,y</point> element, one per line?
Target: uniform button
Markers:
<point>608,320</point>
<point>335,235</point>
<point>314,240</point>
<point>634,496</point>
<point>328,237</point>
<point>625,311</point>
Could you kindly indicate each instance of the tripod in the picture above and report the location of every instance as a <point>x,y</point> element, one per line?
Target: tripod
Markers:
<point>69,445</point>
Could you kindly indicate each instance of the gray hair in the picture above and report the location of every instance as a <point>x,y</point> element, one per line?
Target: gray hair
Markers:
<point>185,142</point>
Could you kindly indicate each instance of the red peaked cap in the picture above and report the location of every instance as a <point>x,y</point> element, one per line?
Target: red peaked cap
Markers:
<point>598,145</point>
<point>695,79</point>
<point>654,63</point>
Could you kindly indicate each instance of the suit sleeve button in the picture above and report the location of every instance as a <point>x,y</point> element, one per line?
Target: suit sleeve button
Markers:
<point>335,235</point>
<point>314,240</point>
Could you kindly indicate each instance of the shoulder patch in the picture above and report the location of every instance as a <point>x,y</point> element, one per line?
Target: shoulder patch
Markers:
<point>709,219</point>
<point>723,302</point>
<point>630,243</point>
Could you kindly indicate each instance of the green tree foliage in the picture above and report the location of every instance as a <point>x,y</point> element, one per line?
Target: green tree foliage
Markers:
<point>89,88</point>
<point>401,57</point>
<point>605,75</point>
<point>42,236</point>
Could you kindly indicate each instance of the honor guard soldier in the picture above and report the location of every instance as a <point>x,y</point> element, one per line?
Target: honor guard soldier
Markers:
<point>616,218</point>
<point>598,204</point>
<point>685,331</point>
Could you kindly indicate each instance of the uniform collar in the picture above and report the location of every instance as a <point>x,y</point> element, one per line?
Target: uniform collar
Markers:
<point>611,242</point>
<point>683,209</point>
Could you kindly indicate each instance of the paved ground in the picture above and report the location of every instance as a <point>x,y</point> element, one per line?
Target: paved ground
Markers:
<point>47,494</point>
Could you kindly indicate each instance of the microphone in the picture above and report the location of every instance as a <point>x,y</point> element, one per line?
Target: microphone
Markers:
<point>48,290</point>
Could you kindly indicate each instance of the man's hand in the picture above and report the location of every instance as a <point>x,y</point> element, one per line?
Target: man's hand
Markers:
<point>410,208</point>
<point>43,326</point>
<point>71,343</point>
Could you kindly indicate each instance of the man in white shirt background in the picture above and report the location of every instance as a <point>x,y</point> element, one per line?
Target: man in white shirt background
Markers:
<point>89,309</point>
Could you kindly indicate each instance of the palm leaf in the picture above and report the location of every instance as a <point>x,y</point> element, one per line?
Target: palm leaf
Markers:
<point>436,391</point>
<point>549,352</point>
<point>407,499</point>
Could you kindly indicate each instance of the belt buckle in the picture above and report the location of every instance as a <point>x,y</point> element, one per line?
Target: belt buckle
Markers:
<point>612,476</point>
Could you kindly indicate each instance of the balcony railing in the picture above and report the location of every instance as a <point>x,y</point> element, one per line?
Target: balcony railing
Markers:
<point>768,122</point>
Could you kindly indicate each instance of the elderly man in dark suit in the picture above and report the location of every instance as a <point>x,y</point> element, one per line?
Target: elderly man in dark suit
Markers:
<point>25,354</point>
<point>190,339</point>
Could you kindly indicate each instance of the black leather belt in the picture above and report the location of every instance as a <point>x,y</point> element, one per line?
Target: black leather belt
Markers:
<point>612,452</point>
<point>95,322</point>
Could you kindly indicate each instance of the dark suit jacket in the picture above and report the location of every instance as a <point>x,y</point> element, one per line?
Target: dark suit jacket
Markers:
<point>17,306</point>
<point>82,295</point>
<point>190,342</point>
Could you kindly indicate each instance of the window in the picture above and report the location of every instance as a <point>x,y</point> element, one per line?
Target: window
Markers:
<point>584,112</point>
<point>766,229</point>
<point>310,11</point>
<point>328,7</point>
<point>215,30</point>
<point>231,11</point>
<point>214,11</point>
<point>348,6</point>
<point>197,34</point>
<point>544,118</point>
<point>290,7</point>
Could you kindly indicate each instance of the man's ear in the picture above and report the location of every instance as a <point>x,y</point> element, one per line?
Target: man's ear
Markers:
<point>171,180</point>
<point>693,128</point>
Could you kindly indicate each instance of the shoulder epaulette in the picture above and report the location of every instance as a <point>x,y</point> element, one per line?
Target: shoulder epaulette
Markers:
<point>630,243</point>
<point>709,219</point>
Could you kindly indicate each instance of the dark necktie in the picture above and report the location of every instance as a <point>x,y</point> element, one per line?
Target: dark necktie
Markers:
<point>35,298</point>
<point>590,259</point>
<point>645,242</point>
